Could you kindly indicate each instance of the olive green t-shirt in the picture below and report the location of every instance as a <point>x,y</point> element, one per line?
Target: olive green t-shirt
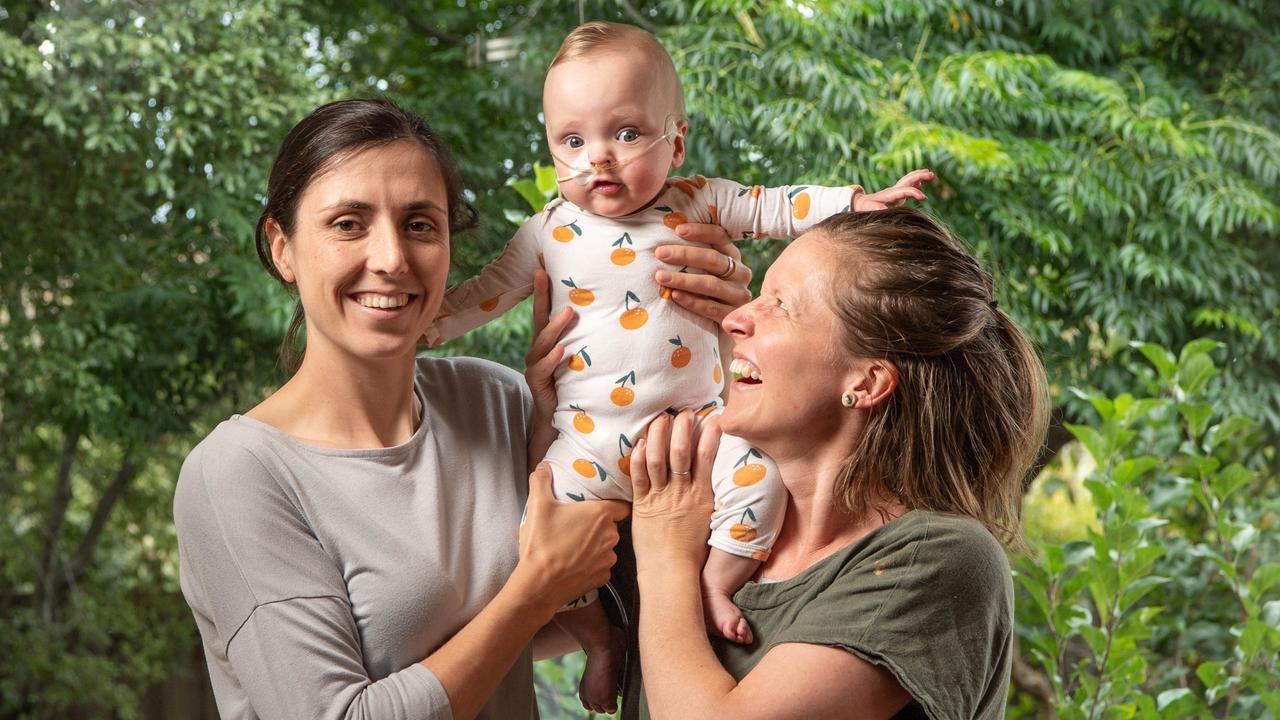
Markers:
<point>928,596</point>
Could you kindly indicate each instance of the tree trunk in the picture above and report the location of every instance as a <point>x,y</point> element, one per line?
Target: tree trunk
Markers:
<point>1056,439</point>
<point>1032,682</point>
<point>129,469</point>
<point>54,523</point>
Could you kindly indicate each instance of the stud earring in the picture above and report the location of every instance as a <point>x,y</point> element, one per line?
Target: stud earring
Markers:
<point>846,400</point>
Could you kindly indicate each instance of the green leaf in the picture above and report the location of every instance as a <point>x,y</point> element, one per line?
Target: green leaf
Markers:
<point>1092,440</point>
<point>1148,523</point>
<point>1198,347</point>
<point>1036,589</point>
<point>1137,589</point>
<point>528,190</point>
<point>1054,559</point>
<point>1244,538</point>
<point>1197,416</point>
<point>1139,409</point>
<point>1094,637</point>
<point>1252,638</point>
<point>1205,466</point>
<point>1270,615</point>
<point>1119,711</point>
<point>545,180</point>
<point>1161,358</point>
<point>1271,699</point>
<point>1209,672</point>
<point>1225,430</point>
<point>1103,497</point>
<point>1105,407</point>
<point>1264,578</point>
<point>1168,697</point>
<point>1129,470</point>
<point>1230,479</point>
<point>1194,373</point>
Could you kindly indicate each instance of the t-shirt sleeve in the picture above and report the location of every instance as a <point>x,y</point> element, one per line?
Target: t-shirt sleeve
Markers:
<point>936,610</point>
<point>498,287</point>
<point>272,601</point>
<point>783,212</point>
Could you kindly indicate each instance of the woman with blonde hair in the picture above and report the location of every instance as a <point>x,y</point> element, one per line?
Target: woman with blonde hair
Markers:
<point>904,409</point>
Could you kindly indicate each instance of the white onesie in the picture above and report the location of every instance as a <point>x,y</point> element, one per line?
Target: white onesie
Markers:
<point>633,352</point>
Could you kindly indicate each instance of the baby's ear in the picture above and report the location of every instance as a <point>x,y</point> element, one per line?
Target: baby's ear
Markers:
<point>678,158</point>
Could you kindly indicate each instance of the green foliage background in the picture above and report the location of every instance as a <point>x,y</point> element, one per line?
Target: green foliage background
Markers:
<point>1115,163</point>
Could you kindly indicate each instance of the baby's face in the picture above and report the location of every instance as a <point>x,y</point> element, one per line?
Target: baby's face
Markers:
<point>608,107</point>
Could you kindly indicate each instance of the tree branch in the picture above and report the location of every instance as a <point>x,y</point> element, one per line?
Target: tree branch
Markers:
<point>54,523</point>
<point>1027,679</point>
<point>1057,438</point>
<point>129,469</point>
<point>415,21</point>
<point>637,18</point>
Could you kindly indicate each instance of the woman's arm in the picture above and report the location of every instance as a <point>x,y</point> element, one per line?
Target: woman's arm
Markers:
<point>277,622</point>
<point>712,296</point>
<point>682,676</point>
<point>565,550</point>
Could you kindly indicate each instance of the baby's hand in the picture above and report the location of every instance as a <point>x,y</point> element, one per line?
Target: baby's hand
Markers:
<point>907,187</point>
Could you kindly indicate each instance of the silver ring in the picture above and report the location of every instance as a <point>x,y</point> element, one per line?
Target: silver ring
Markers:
<point>733,265</point>
<point>680,474</point>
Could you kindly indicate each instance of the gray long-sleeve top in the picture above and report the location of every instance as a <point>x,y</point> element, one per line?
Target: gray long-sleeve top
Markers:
<point>320,578</point>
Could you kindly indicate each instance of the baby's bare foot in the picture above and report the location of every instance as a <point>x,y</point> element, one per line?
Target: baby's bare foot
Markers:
<point>724,618</point>
<point>598,688</point>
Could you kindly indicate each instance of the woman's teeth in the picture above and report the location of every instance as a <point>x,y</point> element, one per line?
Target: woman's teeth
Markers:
<point>383,301</point>
<point>743,370</point>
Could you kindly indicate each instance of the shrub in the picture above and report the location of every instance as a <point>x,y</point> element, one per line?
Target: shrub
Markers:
<point>1165,603</point>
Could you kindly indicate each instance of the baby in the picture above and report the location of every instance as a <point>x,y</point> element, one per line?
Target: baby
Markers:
<point>615,121</point>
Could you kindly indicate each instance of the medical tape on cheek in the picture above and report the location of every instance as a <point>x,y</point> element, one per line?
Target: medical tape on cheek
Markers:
<point>583,171</point>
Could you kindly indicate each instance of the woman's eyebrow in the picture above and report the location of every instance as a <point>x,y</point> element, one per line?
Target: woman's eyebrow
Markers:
<point>348,205</point>
<point>422,205</point>
<point>362,205</point>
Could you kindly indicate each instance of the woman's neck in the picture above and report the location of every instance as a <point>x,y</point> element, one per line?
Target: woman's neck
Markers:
<point>340,401</point>
<point>816,525</point>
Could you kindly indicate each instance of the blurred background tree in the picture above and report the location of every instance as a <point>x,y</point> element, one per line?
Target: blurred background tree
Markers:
<point>1115,163</point>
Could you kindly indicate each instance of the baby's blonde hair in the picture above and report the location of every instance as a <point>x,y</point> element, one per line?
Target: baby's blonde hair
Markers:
<point>599,37</point>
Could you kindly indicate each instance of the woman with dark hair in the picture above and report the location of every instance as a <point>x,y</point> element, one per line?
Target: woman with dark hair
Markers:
<point>349,546</point>
<point>903,409</point>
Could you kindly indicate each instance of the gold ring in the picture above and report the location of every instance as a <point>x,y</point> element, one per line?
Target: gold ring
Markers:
<point>733,265</point>
<point>681,474</point>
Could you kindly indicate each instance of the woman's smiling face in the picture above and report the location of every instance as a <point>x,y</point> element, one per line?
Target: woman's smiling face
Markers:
<point>787,364</point>
<point>369,252</point>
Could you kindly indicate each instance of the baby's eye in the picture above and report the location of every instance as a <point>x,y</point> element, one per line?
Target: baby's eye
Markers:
<point>628,135</point>
<point>574,142</point>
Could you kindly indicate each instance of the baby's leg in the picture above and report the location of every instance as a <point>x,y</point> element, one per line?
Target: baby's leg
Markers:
<point>750,504</point>
<point>577,478</point>
<point>605,646</point>
<point>722,576</point>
